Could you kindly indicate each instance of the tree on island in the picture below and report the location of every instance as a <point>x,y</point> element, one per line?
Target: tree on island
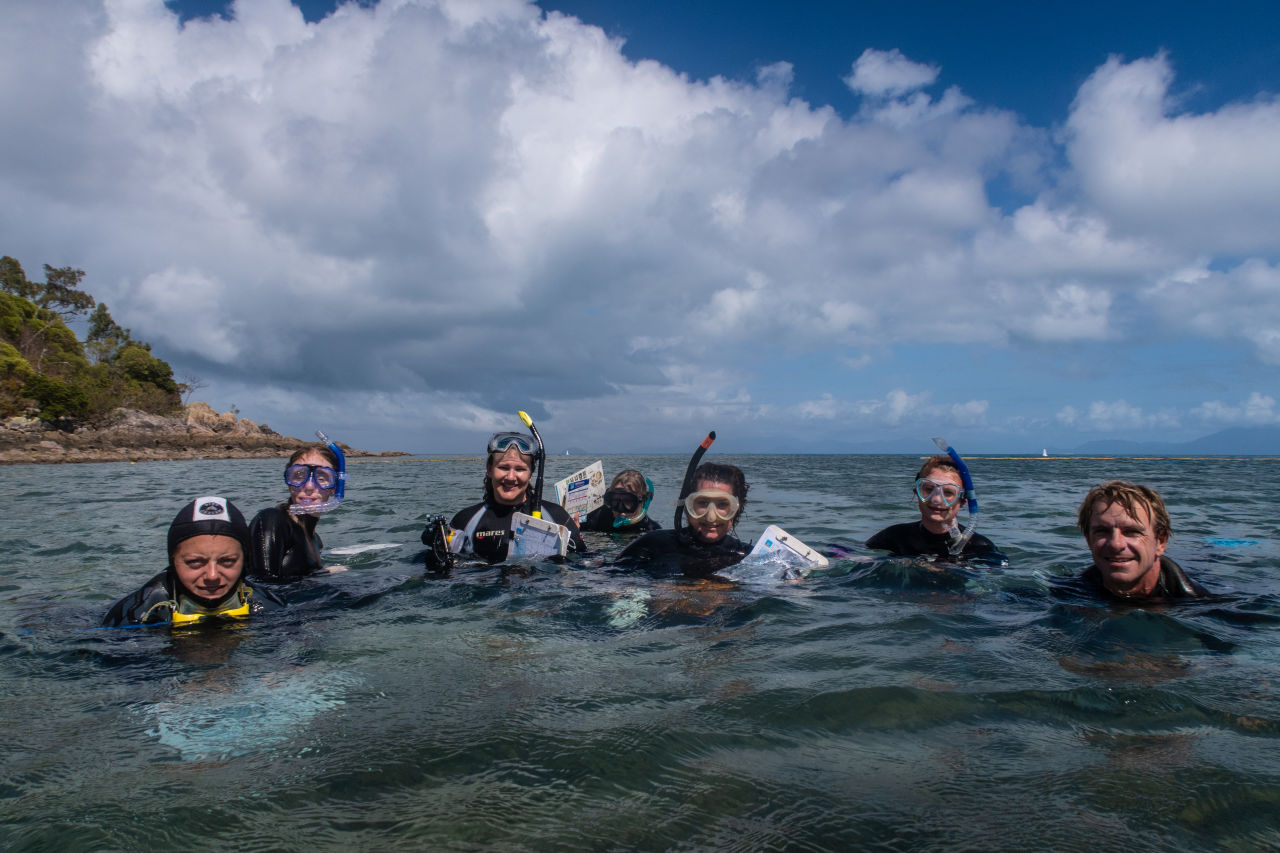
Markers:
<point>46,371</point>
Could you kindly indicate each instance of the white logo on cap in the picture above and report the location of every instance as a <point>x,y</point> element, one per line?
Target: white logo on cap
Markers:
<point>210,507</point>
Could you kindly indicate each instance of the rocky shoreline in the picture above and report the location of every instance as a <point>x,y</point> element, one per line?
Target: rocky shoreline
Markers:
<point>197,433</point>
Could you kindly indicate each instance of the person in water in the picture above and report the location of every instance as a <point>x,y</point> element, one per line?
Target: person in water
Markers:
<point>626,506</point>
<point>205,576</point>
<point>284,545</point>
<point>486,526</point>
<point>1127,528</point>
<point>939,492</point>
<point>716,501</point>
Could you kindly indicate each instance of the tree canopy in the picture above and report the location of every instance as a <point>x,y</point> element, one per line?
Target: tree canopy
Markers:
<point>47,372</point>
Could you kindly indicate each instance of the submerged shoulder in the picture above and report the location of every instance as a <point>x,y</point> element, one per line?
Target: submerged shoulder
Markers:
<point>139,607</point>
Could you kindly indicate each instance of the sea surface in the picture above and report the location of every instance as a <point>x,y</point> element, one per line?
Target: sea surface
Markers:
<point>891,704</point>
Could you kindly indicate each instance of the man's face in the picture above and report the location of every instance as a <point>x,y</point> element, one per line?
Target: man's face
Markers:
<point>1125,549</point>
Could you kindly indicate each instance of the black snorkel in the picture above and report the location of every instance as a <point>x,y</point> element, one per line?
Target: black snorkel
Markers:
<point>686,488</point>
<point>542,463</point>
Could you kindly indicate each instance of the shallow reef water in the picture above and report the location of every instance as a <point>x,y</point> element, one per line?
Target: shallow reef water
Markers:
<point>895,704</point>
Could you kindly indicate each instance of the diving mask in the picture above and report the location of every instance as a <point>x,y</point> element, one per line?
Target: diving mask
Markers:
<point>927,489</point>
<point>503,441</point>
<point>622,501</point>
<point>296,476</point>
<point>713,505</point>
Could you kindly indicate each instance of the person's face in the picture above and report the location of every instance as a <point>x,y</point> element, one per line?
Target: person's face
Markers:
<point>510,478</point>
<point>711,528</point>
<point>209,566</point>
<point>935,515</point>
<point>640,495</point>
<point>1125,549</point>
<point>309,492</point>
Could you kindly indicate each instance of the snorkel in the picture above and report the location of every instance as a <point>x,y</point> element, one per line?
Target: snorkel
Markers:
<point>960,538</point>
<point>542,462</point>
<point>686,488</point>
<point>339,490</point>
<point>627,520</point>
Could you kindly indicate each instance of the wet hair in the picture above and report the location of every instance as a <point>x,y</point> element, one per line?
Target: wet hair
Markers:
<point>1130,496</point>
<point>730,475</point>
<point>935,462</point>
<point>632,480</point>
<point>314,448</point>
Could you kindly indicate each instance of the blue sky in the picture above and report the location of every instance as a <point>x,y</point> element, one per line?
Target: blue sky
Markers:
<point>813,227</point>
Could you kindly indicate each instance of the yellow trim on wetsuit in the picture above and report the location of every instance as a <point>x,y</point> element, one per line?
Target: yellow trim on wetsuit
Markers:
<point>236,607</point>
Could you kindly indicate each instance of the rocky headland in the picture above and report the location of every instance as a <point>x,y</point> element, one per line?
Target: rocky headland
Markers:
<point>198,432</point>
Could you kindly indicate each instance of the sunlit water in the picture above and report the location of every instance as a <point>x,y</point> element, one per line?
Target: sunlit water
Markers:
<point>872,705</point>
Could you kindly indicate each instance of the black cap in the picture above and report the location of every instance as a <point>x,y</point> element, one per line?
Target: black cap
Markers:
<point>208,516</point>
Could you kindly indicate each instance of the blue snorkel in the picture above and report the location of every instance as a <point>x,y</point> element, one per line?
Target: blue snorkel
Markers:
<point>960,538</point>
<point>339,490</point>
<point>627,521</point>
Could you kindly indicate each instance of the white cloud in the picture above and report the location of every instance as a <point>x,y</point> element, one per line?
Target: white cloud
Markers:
<point>1210,181</point>
<point>1258,410</point>
<point>1120,415</point>
<point>887,73</point>
<point>1238,304</point>
<point>473,205</point>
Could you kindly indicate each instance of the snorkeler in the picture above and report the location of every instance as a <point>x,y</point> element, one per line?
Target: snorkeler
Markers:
<point>626,506</point>
<point>485,527</point>
<point>940,492</point>
<point>713,496</point>
<point>1127,528</point>
<point>284,545</point>
<point>205,575</point>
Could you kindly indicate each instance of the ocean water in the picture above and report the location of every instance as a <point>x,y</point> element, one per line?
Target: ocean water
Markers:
<point>880,705</point>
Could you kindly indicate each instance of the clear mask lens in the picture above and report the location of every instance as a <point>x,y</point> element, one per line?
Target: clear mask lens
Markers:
<point>716,506</point>
<point>928,490</point>
<point>296,476</point>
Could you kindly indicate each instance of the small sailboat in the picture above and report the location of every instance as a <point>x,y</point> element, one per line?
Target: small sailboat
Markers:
<point>1044,452</point>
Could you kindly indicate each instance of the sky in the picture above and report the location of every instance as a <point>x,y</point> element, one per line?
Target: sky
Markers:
<point>812,227</point>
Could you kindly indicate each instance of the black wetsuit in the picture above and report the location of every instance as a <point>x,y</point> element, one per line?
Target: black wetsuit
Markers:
<point>1173,583</point>
<point>491,534</point>
<point>601,521</point>
<point>149,604</point>
<point>676,552</point>
<point>282,549</point>
<point>912,540</point>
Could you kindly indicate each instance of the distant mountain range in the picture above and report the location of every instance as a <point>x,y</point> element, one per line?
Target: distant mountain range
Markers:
<point>1237,441</point>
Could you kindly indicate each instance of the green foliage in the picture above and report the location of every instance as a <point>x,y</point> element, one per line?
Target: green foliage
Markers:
<point>14,280</point>
<point>44,366</point>
<point>62,292</point>
<point>139,365</point>
<point>57,400</point>
<point>14,372</point>
<point>105,337</point>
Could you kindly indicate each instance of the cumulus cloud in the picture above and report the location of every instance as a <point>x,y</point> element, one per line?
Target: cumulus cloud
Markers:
<point>1237,304</point>
<point>1258,410</point>
<point>1211,180</point>
<point>887,73</point>
<point>475,206</point>
<point>1120,415</point>
<point>896,408</point>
